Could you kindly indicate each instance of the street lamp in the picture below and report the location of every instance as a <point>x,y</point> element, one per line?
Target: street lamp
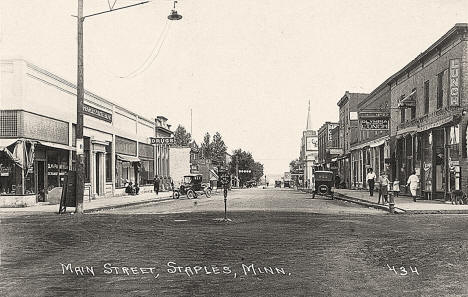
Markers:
<point>174,16</point>
<point>80,98</point>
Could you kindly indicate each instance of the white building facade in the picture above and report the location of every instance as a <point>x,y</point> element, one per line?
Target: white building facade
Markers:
<point>38,115</point>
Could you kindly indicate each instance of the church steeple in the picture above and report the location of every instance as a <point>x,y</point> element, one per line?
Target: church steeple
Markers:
<point>309,120</point>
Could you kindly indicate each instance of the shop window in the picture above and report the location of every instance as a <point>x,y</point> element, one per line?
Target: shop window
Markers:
<point>440,90</point>
<point>10,177</point>
<point>146,172</point>
<point>426,97</point>
<point>124,171</point>
<point>109,162</point>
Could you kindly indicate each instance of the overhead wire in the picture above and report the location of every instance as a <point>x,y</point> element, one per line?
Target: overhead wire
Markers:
<point>153,55</point>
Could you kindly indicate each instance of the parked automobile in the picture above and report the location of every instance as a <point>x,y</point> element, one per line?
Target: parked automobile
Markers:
<point>324,183</point>
<point>277,184</point>
<point>192,186</point>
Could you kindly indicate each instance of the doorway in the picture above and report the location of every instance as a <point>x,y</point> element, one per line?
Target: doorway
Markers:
<point>41,181</point>
<point>98,175</point>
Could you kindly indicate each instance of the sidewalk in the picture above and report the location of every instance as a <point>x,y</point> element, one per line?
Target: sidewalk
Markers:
<point>95,205</point>
<point>403,204</point>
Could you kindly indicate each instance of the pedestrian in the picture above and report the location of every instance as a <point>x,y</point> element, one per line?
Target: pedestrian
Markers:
<point>337,181</point>
<point>383,184</point>
<point>396,187</point>
<point>371,181</point>
<point>156,184</point>
<point>413,183</point>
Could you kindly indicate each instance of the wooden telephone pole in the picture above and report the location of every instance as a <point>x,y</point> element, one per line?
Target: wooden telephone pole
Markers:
<point>79,115</point>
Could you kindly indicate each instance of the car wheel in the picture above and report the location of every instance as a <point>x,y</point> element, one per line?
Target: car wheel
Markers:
<point>208,192</point>
<point>175,195</point>
<point>190,194</point>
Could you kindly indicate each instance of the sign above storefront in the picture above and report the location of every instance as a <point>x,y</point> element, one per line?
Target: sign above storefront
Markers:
<point>374,124</point>
<point>97,113</point>
<point>374,114</point>
<point>162,140</point>
<point>454,82</point>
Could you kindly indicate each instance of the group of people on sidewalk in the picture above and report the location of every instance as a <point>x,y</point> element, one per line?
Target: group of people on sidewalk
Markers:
<point>383,183</point>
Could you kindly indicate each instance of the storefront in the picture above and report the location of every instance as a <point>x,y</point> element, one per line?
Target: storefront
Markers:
<point>32,171</point>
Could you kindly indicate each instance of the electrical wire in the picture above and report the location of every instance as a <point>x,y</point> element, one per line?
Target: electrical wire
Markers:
<point>153,55</point>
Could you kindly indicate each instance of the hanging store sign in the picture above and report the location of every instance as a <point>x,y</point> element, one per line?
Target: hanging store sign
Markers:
<point>374,124</point>
<point>97,113</point>
<point>454,82</point>
<point>162,140</point>
<point>374,114</point>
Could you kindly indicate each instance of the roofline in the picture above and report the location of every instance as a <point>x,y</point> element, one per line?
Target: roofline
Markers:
<point>72,85</point>
<point>454,30</point>
<point>382,86</point>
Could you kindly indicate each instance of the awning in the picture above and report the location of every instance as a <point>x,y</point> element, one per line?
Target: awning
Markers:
<point>436,124</point>
<point>213,175</point>
<point>57,145</point>
<point>7,142</point>
<point>127,158</point>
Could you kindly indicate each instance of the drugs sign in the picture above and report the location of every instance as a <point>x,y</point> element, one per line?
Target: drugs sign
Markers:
<point>374,124</point>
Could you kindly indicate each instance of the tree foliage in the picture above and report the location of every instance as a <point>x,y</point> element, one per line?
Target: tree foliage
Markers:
<point>182,137</point>
<point>214,149</point>
<point>244,161</point>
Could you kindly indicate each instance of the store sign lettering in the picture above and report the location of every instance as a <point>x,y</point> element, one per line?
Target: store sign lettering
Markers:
<point>162,140</point>
<point>97,113</point>
<point>455,82</point>
<point>374,124</point>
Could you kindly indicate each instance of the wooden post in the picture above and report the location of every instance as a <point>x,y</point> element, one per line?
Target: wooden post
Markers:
<point>79,115</point>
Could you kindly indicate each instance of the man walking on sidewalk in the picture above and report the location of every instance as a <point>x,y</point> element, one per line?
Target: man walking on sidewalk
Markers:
<point>383,183</point>
<point>413,182</point>
<point>371,181</point>
<point>156,184</point>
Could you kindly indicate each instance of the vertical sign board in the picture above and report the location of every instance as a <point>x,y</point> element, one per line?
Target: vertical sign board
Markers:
<point>68,198</point>
<point>454,85</point>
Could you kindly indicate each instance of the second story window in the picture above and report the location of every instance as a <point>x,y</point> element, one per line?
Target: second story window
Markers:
<point>426,97</point>
<point>440,90</point>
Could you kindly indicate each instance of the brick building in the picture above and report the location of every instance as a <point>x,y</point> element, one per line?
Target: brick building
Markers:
<point>371,147</point>
<point>348,133</point>
<point>326,150</point>
<point>428,131</point>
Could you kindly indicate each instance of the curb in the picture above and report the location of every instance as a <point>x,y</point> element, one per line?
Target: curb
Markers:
<point>367,203</point>
<point>108,207</point>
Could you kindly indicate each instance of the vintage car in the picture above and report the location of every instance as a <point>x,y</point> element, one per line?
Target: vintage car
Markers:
<point>277,184</point>
<point>250,184</point>
<point>324,183</point>
<point>192,186</point>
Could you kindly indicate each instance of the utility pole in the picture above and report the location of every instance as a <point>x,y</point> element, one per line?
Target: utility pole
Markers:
<point>79,115</point>
<point>80,97</point>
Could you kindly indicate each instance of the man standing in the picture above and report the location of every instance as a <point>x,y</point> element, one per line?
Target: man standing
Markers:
<point>371,181</point>
<point>413,182</point>
<point>156,184</point>
<point>383,184</point>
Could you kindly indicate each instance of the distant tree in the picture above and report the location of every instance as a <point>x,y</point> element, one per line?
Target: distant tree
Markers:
<point>244,161</point>
<point>206,148</point>
<point>182,137</point>
<point>218,149</point>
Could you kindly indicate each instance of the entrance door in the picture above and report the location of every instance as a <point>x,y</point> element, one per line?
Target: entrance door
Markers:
<point>41,181</point>
<point>98,175</point>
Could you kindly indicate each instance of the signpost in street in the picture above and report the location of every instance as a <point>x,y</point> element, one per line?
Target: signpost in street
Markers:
<point>225,180</point>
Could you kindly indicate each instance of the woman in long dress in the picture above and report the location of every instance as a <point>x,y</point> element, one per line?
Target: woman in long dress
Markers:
<point>413,182</point>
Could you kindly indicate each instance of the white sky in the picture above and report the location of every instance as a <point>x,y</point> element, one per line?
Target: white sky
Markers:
<point>246,68</point>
